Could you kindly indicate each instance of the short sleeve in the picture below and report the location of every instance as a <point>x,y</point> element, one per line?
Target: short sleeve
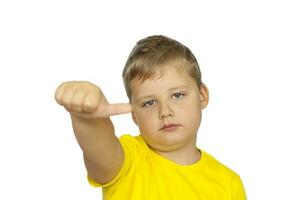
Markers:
<point>129,148</point>
<point>239,192</point>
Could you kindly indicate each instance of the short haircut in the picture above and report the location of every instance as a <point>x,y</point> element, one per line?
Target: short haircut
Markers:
<point>153,52</point>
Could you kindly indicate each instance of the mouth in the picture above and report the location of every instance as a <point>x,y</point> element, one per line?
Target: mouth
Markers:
<point>169,127</point>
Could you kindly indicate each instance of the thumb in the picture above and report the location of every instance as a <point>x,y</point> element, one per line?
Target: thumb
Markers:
<point>113,109</point>
<point>106,110</point>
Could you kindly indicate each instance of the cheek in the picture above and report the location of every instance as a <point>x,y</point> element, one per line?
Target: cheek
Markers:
<point>191,113</point>
<point>145,118</point>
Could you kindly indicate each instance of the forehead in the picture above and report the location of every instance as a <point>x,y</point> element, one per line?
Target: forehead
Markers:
<point>163,80</point>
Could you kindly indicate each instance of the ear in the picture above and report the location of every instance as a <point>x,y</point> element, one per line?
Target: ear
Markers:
<point>204,96</point>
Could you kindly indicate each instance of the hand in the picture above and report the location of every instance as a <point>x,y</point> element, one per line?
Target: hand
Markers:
<point>86,100</point>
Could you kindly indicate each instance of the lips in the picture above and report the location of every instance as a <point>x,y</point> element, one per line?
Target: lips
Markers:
<point>168,126</point>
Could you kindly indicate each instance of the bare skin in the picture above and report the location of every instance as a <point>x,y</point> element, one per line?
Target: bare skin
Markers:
<point>94,131</point>
<point>93,128</point>
<point>171,98</point>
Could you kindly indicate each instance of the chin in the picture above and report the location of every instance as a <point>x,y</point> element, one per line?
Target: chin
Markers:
<point>169,143</point>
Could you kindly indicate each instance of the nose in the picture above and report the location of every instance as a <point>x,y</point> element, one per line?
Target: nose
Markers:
<point>166,111</point>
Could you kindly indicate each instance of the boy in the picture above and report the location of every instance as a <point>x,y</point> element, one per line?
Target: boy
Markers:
<point>166,97</point>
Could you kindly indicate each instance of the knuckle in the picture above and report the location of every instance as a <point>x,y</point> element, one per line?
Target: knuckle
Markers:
<point>57,98</point>
<point>89,106</point>
<point>59,93</point>
<point>79,96</point>
<point>75,104</point>
<point>67,103</point>
<point>66,99</point>
<point>77,99</point>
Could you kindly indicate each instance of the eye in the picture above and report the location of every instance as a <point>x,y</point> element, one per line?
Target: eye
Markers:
<point>178,95</point>
<point>148,103</point>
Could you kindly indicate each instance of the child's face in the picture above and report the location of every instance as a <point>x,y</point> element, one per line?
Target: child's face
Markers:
<point>173,98</point>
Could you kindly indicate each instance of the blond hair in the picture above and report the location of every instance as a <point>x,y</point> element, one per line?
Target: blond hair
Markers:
<point>153,52</point>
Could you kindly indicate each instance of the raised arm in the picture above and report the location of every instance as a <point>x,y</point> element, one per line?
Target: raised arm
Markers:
<point>93,129</point>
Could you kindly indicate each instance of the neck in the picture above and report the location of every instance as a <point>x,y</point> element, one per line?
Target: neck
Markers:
<point>184,156</point>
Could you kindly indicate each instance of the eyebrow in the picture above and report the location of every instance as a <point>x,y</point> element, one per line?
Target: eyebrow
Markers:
<point>170,90</point>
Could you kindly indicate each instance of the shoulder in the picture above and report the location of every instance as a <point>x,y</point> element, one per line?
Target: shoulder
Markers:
<point>218,169</point>
<point>136,141</point>
<point>133,144</point>
<point>224,175</point>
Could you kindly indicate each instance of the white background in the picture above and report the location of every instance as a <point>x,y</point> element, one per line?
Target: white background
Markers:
<point>249,56</point>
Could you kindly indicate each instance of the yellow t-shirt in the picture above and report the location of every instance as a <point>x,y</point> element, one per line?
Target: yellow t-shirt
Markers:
<point>145,175</point>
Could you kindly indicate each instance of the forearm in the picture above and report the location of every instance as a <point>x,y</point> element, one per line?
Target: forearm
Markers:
<point>94,136</point>
<point>93,129</point>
